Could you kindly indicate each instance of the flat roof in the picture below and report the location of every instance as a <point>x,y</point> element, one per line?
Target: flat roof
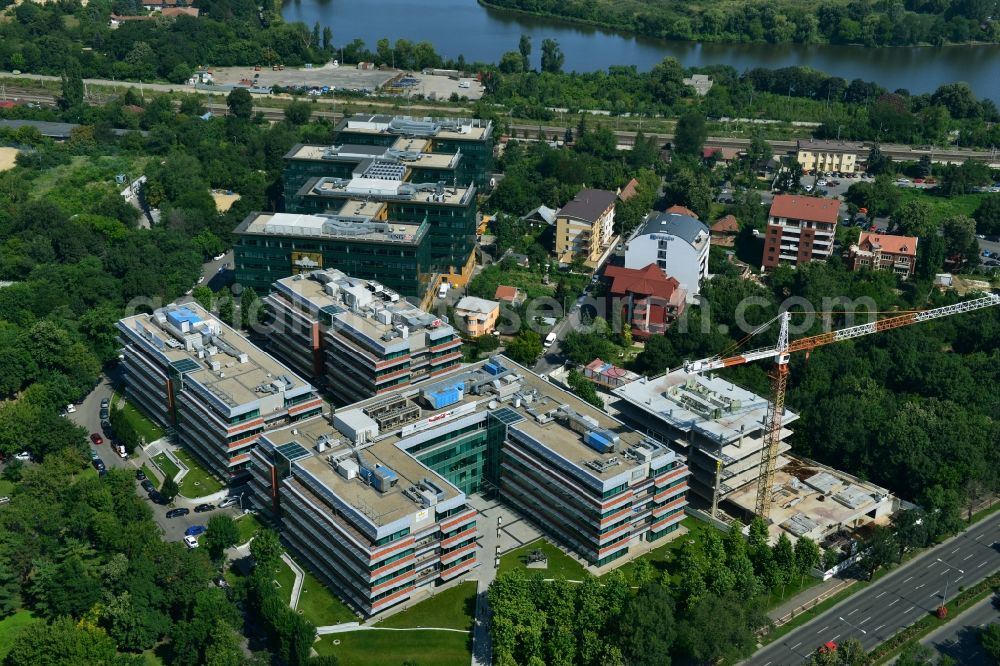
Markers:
<point>406,151</point>
<point>387,190</point>
<point>707,404</point>
<point>535,407</point>
<point>243,368</point>
<point>380,508</point>
<point>468,129</point>
<point>332,226</point>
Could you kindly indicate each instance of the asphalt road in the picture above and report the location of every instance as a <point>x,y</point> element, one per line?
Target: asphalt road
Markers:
<point>959,639</point>
<point>896,601</point>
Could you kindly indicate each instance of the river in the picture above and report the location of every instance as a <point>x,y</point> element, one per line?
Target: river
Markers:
<point>464,27</point>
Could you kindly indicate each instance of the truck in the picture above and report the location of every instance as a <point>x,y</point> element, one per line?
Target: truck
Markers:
<point>120,450</point>
<point>550,340</point>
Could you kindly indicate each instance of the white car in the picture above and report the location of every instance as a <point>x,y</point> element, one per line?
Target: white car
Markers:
<point>201,279</point>
<point>217,257</point>
<point>229,501</point>
<point>70,408</point>
<point>821,183</point>
<point>23,456</point>
<point>191,542</point>
<point>808,188</point>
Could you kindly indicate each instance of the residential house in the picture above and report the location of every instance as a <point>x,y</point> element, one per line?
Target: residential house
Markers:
<point>883,252</point>
<point>677,243</point>
<point>506,294</point>
<point>476,316</point>
<point>651,301</point>
<point>585,225</point>
<point>608,375</point>
<point>543,216</point>
<point>799,230</point>
<point>724,231</point>
<point>701,83</point>
<point>829,156</point>
<point>629,191</point>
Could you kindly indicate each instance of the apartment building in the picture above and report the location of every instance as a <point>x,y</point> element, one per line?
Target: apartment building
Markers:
<point>651,302</point>
<point>376,496</point>
<point>799,230</point>
<point>882,252</point>
<point>218,392</point>
<point>472,138</point>
<point>476,316</point>
<point>829,156</point>
<point>585,225</point>
<point>270,246</point>
<point>358,336</point>
<point>716,425</point>
<point>677,242</point>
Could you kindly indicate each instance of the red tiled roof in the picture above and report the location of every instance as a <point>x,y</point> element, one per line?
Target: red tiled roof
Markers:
<point>796,207</point>
<point>681,210</point>
<point>505,293</point>
<point>181,11</point>
<point>727,224</point>
<point>629,190</point>
<point>892,244</point>
<point>648,281</point>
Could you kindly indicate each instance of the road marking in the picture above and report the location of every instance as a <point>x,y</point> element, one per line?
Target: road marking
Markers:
<point>769,663</point>
<point>908,579</point>
<point>955,551</point>
<point>934,594</point>
<point>880,595</point>
<point>823,629</point>
<point>796,645</point>
<point>835,637</point>
<point>853,612</point>
<point>865,620</point>
<point>981,564</point>
<point>907,610</point>
<point>877,628</point>
<point>894,602</point>
<point>967,557</point>
<point>932,564</point>
<point>920,586</point>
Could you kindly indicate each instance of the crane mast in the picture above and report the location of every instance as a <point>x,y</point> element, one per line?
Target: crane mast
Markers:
<point>781,351</point>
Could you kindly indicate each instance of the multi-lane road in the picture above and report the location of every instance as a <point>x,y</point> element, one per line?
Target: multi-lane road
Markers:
<point>959,639</point>
<point>896,601</point>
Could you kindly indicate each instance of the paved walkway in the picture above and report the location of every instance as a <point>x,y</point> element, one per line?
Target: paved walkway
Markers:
<point>809,598</point>
<point>299,577</point>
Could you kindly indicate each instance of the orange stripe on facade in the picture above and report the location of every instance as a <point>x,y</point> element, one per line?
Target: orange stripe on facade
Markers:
<point>377,572</point>
<point>458,537</point>
<point>457,520</point>
<point>670,491</point>
<point>376,555</point>
<point>396,595</point>
<point>455,553</point>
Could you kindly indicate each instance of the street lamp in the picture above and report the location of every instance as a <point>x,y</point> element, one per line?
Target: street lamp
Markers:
<point>853,626</point>
<point>944,597</point>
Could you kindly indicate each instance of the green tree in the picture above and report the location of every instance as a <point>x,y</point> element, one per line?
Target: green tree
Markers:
<point>204,296</point>
<point>959,234</point>
<point>525,348</point>
<point>720,628</point>
<point>222,533</point>
<point>227,308</point>
<point>64,642</point>
<point>240,103</point>
<point>666,81</point>
<point>807,556</point>
<point>758,154</point>
<point>72,86</point>
<point>224,646</point>
<point>10,590</point>
<point>647,628</point>
<point>690,135</point>
<point>881,550</point>
<point>584,388</point>
<point>169,489</point>
<point>784,556</point>
<point>552,56</point>
<point>915,654</point>
<point>251,308</point>
<point>524,48</point>
<point>913,218</point>
<point>266,548</point>
<point>987,215</point>
<point>298,112</point>
<point>989,638</point>
<point>511,62</point>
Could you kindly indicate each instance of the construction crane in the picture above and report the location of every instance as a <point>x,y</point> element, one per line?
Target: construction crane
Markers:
<point>781,351</point>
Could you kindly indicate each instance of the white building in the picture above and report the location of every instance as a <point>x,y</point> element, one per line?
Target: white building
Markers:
<point>675,242</point>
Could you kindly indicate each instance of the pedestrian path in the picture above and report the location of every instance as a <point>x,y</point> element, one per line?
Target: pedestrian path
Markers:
<point>299,577</point>
<point>347,627</point>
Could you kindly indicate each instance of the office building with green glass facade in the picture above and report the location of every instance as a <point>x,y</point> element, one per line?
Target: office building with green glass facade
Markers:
<point>271,246</point>
<point>582,477</point>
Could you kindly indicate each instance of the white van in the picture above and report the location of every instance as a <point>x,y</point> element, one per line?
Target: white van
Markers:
<point>550,340</point>
<point>464,84</point>
<point>443,290</point>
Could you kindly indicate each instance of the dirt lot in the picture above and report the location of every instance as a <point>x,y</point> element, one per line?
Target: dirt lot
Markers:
<point>223,201</point>
<point>348,76</point>
<point>442,87</point>
<point>7,156</point>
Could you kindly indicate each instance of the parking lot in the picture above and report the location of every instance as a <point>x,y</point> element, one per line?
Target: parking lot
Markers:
<point>347,77</point>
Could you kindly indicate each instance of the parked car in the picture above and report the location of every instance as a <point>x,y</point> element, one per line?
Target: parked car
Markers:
<point>218,256</point>
<point>229,501</point>
<point>23,456</point>
<point>104,414</point>
<point>4,499</point>
<point>105,403</point>
<point>96,439</point>
<point>190,542</point>
<point>106,428</point>
<point>177,513</point>
<point>148,486</point>
<point>98,464</point>
<point>157,497</point>
<point>140,475</point>
<point>70,408</point>
<point>195,530</point>
<point>202,508</point>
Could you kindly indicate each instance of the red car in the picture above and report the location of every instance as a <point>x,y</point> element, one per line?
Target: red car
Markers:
<point>96,439</point>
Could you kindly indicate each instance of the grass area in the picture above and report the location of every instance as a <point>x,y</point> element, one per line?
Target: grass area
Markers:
<point>806,616</point>
<point>661,556</point>
<point>319,605</point>
<point>6,487</point>
<point>781,595</point>
<point>9,628</point>
<point>528,281</point>
<point>142,424</point>
<point>167,465</point>
<point>979,515</point>
<point>285,577</point>
<point>942,207</point>
<point>453,608</point>
<point>560,565</point>
<point>248,525</point>
<point>198,482</point>
<point>150,474</point>
<point>392,648</point>
<point>152,659</point>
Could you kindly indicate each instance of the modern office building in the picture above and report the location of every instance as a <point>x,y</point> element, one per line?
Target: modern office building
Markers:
<point>799,230</point>
<point>390,477</point>
<point>372,522</point>
<point>271,246</point>
<point>675,241</point>
<point>472,138</point>
<point>884,252</point>
<point>716,425</point>
<point>200,378</point>
<point>829,156</point>
<point>585,225</point>
<point>357,337</point>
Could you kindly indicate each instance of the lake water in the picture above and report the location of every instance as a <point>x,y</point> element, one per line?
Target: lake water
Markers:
<point>464,27</point>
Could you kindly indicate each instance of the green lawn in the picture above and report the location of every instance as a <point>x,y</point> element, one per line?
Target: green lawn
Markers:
<point>319,605</point>
<point>661,556</point>
<point>452,608</point>
<point>6,487</point>
<point>143,425</point>
<point>392,648</point>
<point>9,628</point>
<point>167,465</point>
<point>198,482</point>
<point>285,577</point>
<point>779,596</point>
<point>248,526</point>
<point>150,474</point>
<point>560,565</point>
<point>942,207</point>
